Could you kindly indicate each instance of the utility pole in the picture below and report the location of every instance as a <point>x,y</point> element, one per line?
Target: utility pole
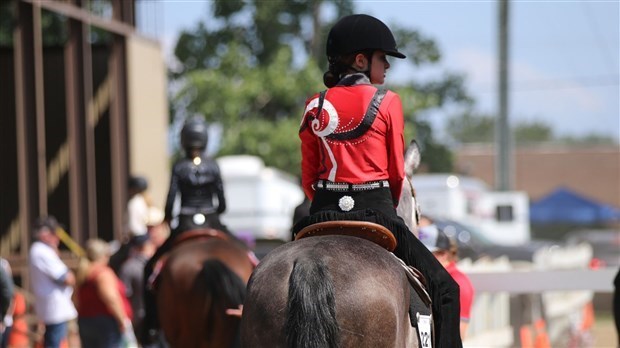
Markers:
<point>503,136</point>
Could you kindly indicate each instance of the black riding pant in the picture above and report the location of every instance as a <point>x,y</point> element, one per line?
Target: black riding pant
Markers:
<point>376,206</point>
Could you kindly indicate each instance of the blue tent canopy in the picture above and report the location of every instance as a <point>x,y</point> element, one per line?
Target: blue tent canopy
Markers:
<point>564,206</point>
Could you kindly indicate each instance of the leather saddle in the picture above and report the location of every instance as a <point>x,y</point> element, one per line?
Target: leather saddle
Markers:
<point>362,229</point>
<point>203,233</point>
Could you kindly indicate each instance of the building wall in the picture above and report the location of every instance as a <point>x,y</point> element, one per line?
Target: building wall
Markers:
<point>591,171</point>
<point>148,115</point>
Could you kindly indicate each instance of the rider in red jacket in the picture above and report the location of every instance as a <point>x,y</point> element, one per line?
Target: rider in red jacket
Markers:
<point>353,154</point>
<point>358,149</point>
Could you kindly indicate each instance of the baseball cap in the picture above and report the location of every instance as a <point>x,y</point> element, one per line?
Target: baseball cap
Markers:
<point>139,240</point>
<point>433,238</point>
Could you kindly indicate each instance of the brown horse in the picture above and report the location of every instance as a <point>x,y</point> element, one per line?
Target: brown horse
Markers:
<point>332,291</point>
<point>200,280</point>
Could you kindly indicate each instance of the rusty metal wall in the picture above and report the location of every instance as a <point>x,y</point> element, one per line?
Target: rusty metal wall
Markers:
<point>63,124</point>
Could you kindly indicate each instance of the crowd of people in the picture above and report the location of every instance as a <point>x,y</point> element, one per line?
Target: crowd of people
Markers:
<point>104,305</point>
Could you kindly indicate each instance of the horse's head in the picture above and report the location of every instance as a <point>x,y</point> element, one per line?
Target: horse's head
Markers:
<point>412,158</point>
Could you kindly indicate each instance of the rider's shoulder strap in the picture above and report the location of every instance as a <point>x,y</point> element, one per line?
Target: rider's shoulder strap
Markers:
<point>367,121</point>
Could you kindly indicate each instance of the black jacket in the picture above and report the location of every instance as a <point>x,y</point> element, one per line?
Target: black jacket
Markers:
<point>198,185</point>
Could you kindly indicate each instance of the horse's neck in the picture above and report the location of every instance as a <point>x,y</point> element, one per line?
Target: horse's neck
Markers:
<point>407,207</point>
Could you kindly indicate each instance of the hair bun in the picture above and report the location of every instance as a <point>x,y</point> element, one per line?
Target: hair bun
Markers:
<point>330,79</point>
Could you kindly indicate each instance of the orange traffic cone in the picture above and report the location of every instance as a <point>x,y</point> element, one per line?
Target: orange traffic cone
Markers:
<point>526,337</point>
<point>542,339</point>
<point>19,332</point>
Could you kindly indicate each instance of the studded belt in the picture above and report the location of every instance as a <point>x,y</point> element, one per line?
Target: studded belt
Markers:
<point>343,186</point>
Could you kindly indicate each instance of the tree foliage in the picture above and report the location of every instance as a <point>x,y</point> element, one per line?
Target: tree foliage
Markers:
<point>471,127</point>
<point>252,65</point>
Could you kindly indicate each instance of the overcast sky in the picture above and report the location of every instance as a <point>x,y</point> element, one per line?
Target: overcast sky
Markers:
<point>564,55</point>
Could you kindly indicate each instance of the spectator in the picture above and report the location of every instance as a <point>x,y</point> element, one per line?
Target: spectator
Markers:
<point>138,206</point>
<point>8,317</point>
<point>132,275</point>
<point>104,313</point>
<point>616,305</point>
<point>6,297</point>
<point>445,250</point>
<point>138,210</point>
<point>52,282</point>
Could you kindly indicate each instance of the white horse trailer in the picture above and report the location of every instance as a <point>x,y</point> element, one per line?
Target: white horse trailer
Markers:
<point>260,200</point>
<point>503,216</point>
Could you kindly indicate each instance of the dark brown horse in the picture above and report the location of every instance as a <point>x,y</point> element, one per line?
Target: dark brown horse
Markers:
<point>200,280</point>
<point>330,291</point>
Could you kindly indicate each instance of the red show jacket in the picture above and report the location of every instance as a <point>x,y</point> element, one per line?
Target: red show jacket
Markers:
<point>377,154</point>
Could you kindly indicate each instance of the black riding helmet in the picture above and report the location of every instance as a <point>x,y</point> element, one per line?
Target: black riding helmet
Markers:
<point>194,134</point>
<point>360,32</point>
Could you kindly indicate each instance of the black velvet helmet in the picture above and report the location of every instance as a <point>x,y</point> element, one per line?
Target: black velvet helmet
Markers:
<point>194,134</point>
<point>360,32</point>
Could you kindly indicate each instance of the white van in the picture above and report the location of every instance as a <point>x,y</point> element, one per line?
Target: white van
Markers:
<point>260,200</point>
<point>503,216</point>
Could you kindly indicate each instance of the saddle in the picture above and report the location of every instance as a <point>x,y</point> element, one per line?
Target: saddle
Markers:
<point>203,233</point>
<point>362,229</point>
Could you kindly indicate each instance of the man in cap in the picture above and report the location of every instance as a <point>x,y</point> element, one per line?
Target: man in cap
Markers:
<point>52,282</point>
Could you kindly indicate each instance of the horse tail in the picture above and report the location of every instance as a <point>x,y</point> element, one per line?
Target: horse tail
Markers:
<point>311,310</point>
<point>224,287</point>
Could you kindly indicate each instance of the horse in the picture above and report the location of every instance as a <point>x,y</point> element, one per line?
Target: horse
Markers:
<point>204,275</point>
<point>408,206</point>
<point>334,291</point>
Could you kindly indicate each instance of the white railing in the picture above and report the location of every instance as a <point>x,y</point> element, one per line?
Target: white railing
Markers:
<point>490,313</point>
<point>557,286</point>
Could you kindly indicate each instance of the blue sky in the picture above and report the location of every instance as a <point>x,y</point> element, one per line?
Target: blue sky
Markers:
<point>564,68</point>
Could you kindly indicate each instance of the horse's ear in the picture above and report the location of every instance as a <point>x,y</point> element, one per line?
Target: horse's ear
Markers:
<point>412,158</point>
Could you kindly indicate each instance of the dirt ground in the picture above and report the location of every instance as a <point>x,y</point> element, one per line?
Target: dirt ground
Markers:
<point>604,331</point>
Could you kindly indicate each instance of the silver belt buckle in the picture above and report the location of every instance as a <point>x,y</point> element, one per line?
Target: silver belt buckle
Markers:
<point>199,219</point>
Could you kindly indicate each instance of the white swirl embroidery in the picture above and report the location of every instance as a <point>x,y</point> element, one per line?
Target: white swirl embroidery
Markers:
<point>332,123</point>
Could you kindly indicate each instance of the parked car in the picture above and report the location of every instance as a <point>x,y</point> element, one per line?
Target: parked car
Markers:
<point>474,245</point>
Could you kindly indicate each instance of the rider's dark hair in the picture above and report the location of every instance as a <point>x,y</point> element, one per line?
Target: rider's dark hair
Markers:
<point>341,66</point>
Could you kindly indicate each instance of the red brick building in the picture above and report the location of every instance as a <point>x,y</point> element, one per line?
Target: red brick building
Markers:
<point>592,171</point>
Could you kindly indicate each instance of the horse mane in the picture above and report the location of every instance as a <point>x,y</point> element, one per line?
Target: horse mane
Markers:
<point>225,288</point>
<point>311,308</point>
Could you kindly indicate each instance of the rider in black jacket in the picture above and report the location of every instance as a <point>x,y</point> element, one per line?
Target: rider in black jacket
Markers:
<point>197,182</point>
<point>196,179</point>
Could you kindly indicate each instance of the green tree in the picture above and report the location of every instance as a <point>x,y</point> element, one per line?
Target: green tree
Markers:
<point>253,76</point>
<point>470,127</point>
<point>588,139</point>
<point>532,132</point>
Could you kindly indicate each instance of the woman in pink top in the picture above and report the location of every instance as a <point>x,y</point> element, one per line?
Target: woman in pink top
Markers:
<point>104,312</point>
